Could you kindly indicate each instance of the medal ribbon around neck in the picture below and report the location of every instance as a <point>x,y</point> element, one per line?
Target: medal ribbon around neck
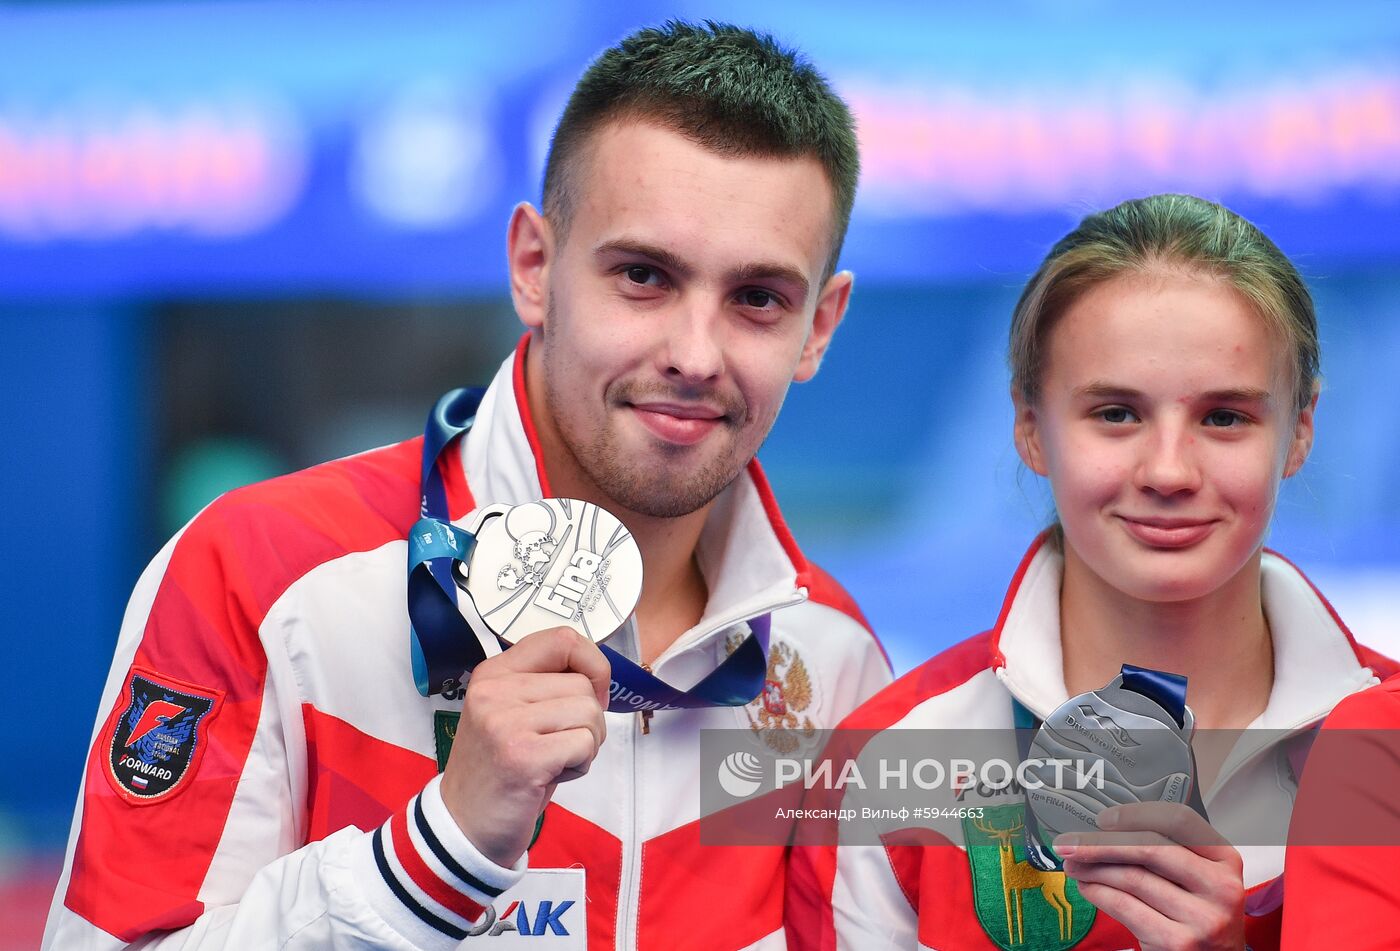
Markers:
<point>445,647</point>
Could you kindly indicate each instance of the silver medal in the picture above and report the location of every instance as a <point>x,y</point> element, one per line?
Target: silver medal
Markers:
<point>1118,746</point>
<point>550,563</point>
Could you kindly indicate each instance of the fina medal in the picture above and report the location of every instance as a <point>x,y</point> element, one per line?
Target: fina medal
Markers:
<point>549,563</point>
<point>1139,728</point>
<point>512,570</point>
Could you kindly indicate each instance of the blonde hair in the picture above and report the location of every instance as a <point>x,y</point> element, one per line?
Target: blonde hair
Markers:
<point>1165,230</point>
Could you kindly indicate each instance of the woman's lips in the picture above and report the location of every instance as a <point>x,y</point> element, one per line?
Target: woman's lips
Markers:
<point>679,425</point>
<point>1167,533</point>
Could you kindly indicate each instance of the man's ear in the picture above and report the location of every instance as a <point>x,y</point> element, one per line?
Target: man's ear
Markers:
<point>529,252</point>
<point>1302,441</point>
<point>831,307</point>
<point>1027,434</point>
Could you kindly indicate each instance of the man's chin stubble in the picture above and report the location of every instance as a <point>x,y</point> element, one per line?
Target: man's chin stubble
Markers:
<point>654,494</point>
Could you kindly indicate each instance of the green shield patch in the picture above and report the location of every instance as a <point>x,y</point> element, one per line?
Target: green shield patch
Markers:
<point>1018,905</point>
<point>444,732</point>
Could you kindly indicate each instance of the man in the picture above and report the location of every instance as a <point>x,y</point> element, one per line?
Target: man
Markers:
<point>681,275</point>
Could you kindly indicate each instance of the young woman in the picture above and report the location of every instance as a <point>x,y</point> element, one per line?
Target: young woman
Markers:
<point>1164,364</point>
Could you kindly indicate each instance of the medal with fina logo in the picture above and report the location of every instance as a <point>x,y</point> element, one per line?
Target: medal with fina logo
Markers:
<point>1135,733</point>
<point>550,563</point>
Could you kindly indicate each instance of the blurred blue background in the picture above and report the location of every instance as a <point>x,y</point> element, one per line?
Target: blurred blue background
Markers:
<point>241,238</point>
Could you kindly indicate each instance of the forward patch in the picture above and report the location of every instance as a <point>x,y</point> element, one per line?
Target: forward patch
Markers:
<point>158,736</point>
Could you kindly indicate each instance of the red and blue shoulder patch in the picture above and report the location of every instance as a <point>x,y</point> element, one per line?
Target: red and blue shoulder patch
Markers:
<point>157,739</point>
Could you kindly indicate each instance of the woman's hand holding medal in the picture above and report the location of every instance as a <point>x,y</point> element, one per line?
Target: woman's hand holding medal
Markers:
<point>531,719</point>
<point>1162,871</point>
<point>1133,828</point>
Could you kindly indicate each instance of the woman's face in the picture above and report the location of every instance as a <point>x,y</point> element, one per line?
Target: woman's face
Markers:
<point>1165,421</point>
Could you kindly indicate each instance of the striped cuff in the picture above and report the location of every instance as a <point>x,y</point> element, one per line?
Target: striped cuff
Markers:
<point>428,881</point>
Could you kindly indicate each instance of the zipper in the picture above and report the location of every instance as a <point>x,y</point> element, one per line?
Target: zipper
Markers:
<point>644,716</point>
<point>629,875</point>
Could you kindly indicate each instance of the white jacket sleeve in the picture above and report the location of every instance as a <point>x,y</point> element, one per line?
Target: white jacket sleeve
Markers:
<point>204,843</point>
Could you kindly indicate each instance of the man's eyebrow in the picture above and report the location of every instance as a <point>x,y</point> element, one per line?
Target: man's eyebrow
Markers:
<point>626,247</point>
<point>1101,389</point>
<point>766,270</point>
<point>754,271</point>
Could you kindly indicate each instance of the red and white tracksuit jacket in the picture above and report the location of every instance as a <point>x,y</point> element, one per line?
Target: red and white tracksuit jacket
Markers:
<point>310,815</point>
<point>924,895</point>
<point>1343,890</point>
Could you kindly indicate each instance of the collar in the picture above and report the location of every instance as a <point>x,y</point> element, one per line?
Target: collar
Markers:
<point>1316,659</point>
<point>749,559</point>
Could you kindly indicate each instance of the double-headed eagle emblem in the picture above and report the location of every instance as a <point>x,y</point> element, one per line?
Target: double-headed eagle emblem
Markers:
<point>778,713</point>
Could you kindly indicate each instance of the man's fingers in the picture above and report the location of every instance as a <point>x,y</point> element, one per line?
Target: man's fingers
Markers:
<point>538,688</point>
<point>568,753</point>
<point>555,650</point>
<point>564,713</point>
<point>547,651</point>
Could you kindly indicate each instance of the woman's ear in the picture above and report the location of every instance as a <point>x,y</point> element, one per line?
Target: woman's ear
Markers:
<point>1027,433</point>
<point>1302,441</point>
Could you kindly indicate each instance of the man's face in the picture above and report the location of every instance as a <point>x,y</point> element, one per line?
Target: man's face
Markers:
<point>671,319</point>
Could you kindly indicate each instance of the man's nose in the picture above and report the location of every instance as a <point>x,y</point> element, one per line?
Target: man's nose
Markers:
<point>693,351</point>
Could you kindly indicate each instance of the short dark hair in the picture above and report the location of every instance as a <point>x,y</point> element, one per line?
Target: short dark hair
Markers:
<point>729,89</point>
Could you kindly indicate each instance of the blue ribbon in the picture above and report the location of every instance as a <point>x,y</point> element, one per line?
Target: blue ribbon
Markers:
<point>444,646</point>
<point>1167,690</point>
<point>733,683</point>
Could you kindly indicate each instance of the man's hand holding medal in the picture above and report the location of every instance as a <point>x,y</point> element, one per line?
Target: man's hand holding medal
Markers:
<point>531,719</point>
<point>532,716</point>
